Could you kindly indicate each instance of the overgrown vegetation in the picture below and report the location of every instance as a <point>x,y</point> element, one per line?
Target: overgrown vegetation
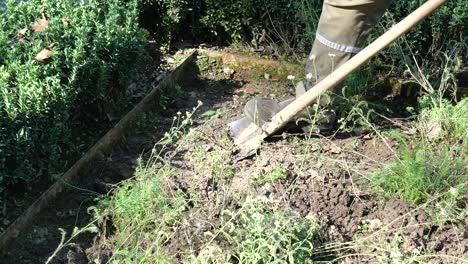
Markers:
<point>59,62</point>
<point>281,26</point>
<point>148,213</point>
<point>424,171</point>
<point>62,63</point>
<point>438,33</point>
<point>433,161</point>
<point>286,27</point>
<point>164,18</point>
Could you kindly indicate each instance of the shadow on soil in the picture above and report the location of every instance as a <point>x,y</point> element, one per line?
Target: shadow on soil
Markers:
<point>70,209</point>
<point>321,182</point>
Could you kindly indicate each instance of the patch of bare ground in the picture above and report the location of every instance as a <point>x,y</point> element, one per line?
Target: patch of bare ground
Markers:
<point>319,180</point>
<point>321,183</point>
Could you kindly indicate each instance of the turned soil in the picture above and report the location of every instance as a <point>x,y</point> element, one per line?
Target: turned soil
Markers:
<point>324,181</point>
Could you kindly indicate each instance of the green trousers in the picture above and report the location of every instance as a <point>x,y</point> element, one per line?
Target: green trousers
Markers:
<point>342,32</point>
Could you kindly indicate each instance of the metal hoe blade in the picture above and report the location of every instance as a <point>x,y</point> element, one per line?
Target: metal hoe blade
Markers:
<point>250,136</point>
<point>242,132</point>
<point>247,132</point>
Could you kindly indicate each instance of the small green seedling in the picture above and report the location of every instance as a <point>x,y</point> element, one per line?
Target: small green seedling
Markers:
<point>279,173</point>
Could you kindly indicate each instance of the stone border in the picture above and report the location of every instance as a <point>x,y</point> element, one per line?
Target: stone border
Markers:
<point>254,66</point>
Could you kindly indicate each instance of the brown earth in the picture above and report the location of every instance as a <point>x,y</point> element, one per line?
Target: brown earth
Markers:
<point>323,175</point>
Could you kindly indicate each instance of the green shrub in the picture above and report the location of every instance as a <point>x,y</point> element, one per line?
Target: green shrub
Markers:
<point>437,33</point>
<point>164,18</point>
<point>43,106</point>
<point>290,25</point>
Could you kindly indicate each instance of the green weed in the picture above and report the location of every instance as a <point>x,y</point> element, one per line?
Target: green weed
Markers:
<point>422,173</point>
<point>434,162</point>
<point>145,209</point>
<point>261,235</point>
<point>441,120</point>
<point>213,163</point>
<point>143,213</point>
<point>64,242</point>
<point>278,173</point>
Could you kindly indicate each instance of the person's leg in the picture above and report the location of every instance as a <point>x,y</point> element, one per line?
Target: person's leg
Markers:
<point>343,30</point>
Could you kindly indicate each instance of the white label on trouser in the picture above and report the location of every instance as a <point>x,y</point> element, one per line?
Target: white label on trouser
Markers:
<point>336,46</point>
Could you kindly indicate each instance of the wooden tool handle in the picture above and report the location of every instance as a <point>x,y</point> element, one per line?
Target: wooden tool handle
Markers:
<point>289,112</point>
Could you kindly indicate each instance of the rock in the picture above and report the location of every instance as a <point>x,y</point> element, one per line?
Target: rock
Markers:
<point>229,72</point>
<point>334,149</point>
<point>209,148</point>
<point>375,224</point>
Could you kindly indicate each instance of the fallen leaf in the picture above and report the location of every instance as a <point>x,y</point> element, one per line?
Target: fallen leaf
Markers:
<point>65,21</point>
<point>22,31</point>
<point>42,24</point>
<point>45,55</point>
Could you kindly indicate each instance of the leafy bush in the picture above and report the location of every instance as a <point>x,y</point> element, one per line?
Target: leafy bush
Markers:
<point>439,32</point>
<point>92,45</point>
<point>163,18</point>
<point>288,24</point>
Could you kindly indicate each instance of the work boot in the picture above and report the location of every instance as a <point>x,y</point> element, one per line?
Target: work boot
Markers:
<point>261,110</point>
<point>325,119</point>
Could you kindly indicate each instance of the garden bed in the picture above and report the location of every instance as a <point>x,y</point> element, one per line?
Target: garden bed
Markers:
<point>305,197</point>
